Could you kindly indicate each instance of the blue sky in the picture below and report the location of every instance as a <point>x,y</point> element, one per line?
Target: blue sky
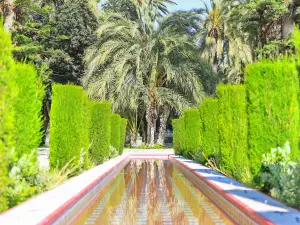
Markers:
<point>186,5</point>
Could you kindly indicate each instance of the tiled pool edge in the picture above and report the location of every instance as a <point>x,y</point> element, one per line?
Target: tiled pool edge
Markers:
<point>35,210</point>
<point>93,177</point>
<point>239,207</point>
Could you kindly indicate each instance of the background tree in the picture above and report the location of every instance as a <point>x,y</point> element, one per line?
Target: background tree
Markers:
<point>227,52</point>
<point>76,25</point>
<point>146,65</point>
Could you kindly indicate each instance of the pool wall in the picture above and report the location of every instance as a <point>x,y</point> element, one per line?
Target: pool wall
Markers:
<point>64,203</point>
<point>243,204</point>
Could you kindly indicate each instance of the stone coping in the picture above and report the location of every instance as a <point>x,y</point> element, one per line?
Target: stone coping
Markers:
<point>49,206</point>
<point>260,207</point>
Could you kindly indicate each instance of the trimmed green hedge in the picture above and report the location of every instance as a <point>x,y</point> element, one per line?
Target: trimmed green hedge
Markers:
<point>123,129</point>
<point>233,129</point>
<point>193,137</point>
<point>7,91</point>
<point>273,108</point>
<point>66,125</point>
<point>85,137</point>
<point>100,132</point>
<point>182,134</point>
<point>209,112</point>
<point>176,136</point>
<point>27,106</point>
<point>115,140</point>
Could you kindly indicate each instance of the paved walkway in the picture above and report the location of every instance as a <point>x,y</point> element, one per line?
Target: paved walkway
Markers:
<point>149,151</point>
<point>43,154</point>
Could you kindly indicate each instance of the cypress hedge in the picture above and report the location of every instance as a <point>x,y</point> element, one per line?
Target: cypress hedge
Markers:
<point>123,128</point>
<point>273,108</point>
<point>85,137</point>
<point>115,140</point>
<point>100,132</point>
<point>27,106</point>
<point>210,132</point>
<point>66,125</point>
<point>182,134</point>
<point>176,137</point>
<point>192,136</point>
<point>7,91</point>
<point>233,129</point>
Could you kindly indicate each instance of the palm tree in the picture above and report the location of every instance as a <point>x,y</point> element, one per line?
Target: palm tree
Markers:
<point>213,33</point>
<point>226,49</point>
<point>140,63</point>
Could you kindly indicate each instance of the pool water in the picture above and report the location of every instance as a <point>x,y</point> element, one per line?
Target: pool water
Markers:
<point>151,192</point>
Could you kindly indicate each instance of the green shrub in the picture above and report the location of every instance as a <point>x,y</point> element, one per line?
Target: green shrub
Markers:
<point>26,179</point>
<point>7,92</point>
<point>155,146</point>
<point>296,40</point>
<point>115,131</point>
<point>233,130</point>
<point>181,135</point>
<point>100,131</point>
<point>280,176</point>
<point>193,137</point>
<point>123,129</point>
<point>27,106</point>
<point>273,108</point>
<point>210,132</point>
<point>176,138</point>
<point>113,152</point>
<point>66,125</point>
<point>85,136</point>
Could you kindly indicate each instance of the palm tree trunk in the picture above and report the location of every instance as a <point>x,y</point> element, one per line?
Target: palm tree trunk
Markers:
<point>151,117</point>
<point>163,124</point>
<point>9,19</point>
<point>133,139</point>
<point>287,24</point>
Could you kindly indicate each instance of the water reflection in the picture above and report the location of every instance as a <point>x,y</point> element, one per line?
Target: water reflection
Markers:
<point>151,192</point>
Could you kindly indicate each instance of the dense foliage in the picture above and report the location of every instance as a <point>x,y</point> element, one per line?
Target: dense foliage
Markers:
<point>209,111</point>
<point>273,108</point>
<point>6,110</point>
<point>115,137</point>
<point>233,129</point>
<point>66,125</point>
<point>21,93</point>
<point>75,25</point>
<point>279,175</point>
<point>85,136</point>
<point>100,132</point>
<point>179,135</point>
<point>123,133</point>
<point>27,179</point>
<point>176,138</point>
<point>54,36</point>
<point>27,107</point>
<point>193,134</point>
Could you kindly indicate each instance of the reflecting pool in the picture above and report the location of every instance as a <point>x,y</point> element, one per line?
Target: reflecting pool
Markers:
<point>150,192</point>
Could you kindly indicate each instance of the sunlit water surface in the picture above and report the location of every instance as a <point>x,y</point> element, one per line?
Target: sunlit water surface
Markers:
<point>151,192</point>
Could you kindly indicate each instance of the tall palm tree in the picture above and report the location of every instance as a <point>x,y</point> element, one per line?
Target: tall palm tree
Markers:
<point>213,33</point>
<point>143,63</point>
<point>226,49</point>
